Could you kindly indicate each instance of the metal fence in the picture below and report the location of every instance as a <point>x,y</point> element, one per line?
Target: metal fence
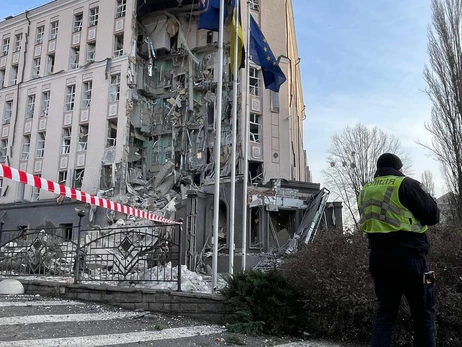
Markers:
<point>131,254</point>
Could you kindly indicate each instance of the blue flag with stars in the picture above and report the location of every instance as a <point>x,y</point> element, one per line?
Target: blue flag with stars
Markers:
<point>261,54</point>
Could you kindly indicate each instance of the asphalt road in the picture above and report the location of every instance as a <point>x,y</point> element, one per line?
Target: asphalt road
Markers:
<point>33,321</point>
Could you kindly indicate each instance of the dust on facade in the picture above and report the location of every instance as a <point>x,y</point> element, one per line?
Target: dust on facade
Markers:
<point>118,99</point>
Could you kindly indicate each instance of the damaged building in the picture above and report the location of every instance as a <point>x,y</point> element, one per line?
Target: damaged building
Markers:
<point>118,99</point>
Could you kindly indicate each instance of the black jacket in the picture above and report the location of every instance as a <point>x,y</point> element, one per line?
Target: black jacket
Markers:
<point>422,206</point>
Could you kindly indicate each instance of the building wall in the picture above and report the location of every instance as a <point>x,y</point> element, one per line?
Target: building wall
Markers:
<point>64,74</point>
<point>189,123</point>
<point>283,155</point>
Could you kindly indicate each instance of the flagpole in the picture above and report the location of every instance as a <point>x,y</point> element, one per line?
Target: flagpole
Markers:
<point>246,144</point>
<point>216,197</point>
<point>234,130</point>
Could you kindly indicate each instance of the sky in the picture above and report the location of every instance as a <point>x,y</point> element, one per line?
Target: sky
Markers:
<point>361,61</point>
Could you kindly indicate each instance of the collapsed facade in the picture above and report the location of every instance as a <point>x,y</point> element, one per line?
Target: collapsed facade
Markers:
<point>118,99</point>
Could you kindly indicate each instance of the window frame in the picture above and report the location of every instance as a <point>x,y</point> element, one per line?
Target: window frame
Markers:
<point>45,104</point>
<point>255,120</point>
<point>78,22</point>
<point>39,34</point>
<point>25,145</point>
<point>115,95</point>
<point>118,50</point>
<point>70,98</point>
<point>54,30</point>
<point>30,109</point>
<point>40,150</point>
<point>87,88</point>
<point>121,8</point>
<point>255,75</point>
<point>93,16</point>
<point>6,46</point>
<point>36,68</point>
<point>8,112</point>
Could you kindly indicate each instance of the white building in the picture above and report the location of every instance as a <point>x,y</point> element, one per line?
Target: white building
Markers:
<point>117,97</point>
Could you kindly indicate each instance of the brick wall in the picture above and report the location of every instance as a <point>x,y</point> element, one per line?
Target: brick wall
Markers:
<point>203,306</point>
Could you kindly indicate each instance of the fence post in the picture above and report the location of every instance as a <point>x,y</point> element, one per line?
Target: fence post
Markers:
<point>80,213</point>
<point>180,252</point>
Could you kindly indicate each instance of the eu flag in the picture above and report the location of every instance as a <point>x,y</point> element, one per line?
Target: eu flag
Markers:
<point>209,16</point>
<point>261,54</point>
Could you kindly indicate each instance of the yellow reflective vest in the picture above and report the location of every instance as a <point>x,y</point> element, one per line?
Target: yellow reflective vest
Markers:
<point>381,211</point>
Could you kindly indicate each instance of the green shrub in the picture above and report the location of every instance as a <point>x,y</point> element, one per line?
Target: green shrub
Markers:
<point>263,302</point>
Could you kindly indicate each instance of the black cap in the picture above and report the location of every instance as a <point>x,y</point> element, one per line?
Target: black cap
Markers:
<point>389,160</point>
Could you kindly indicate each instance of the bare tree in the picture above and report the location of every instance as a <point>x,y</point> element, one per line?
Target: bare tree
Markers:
<point>444,79</point>
<point>352,160</point>
<point>427,182</point>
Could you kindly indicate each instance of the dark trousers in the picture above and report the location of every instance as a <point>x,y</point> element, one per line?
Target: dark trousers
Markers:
<point>396,273</point>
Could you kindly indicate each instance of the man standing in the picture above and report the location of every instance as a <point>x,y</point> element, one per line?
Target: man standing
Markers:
<point>394,212</point>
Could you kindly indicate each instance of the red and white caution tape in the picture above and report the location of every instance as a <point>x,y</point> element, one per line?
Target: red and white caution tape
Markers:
<point>74,194</point>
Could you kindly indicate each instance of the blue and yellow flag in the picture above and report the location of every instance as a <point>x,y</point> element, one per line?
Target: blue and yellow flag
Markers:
<point>261,54</point>
<point>240,38</point>
<point>209,16</point>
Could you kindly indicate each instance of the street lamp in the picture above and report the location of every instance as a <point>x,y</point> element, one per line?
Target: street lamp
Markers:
<point>78,256</point>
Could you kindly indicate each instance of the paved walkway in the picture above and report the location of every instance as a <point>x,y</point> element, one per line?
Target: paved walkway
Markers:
<point>33,321</point>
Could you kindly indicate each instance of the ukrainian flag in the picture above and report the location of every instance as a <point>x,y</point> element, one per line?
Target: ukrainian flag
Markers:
<point>240,37</point>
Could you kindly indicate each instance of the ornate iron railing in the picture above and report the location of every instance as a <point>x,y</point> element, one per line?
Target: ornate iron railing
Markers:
<point>130,254</point>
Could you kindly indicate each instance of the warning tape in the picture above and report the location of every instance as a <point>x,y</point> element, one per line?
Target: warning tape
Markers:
<point>38,182</point>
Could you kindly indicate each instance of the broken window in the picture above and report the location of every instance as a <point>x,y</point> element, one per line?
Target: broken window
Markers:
<point>36,68</point>
<point>40,151</point>
<point>45,103</point>
<point>255,172</point>
<point>30,106</point>
<point>25,148</point>
<point>255,127</point>
<point>106,182</point>
<point>54,30</point>
<point>120,8</point>
<point>66,144</point>
<point>62,177</point>
<point>50,63</point>
<point>70,97</point>
<point>35,192</point>
<point>3,151</point>
<point>118,45</point>
<point>14,75</point>
<point>8,112</point>
<point>255,81</point>
<point>94,13</point>
<point>281,227</point>
<point>254,4</point>
<point>83,138</point>
<point>78,178</point>
<point>2,78</point>
<point>75,55</point>
<point>111,132</point>
<point>91,49</point>
<point>115,87</point>
<point>78,18</point>
<point>86,94</point>
<point>66,230</point>
<point>255,226</point>
<point>17,42</point>
<point>6,46</point>
<point>39,35</point>
<point>162,149</point>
